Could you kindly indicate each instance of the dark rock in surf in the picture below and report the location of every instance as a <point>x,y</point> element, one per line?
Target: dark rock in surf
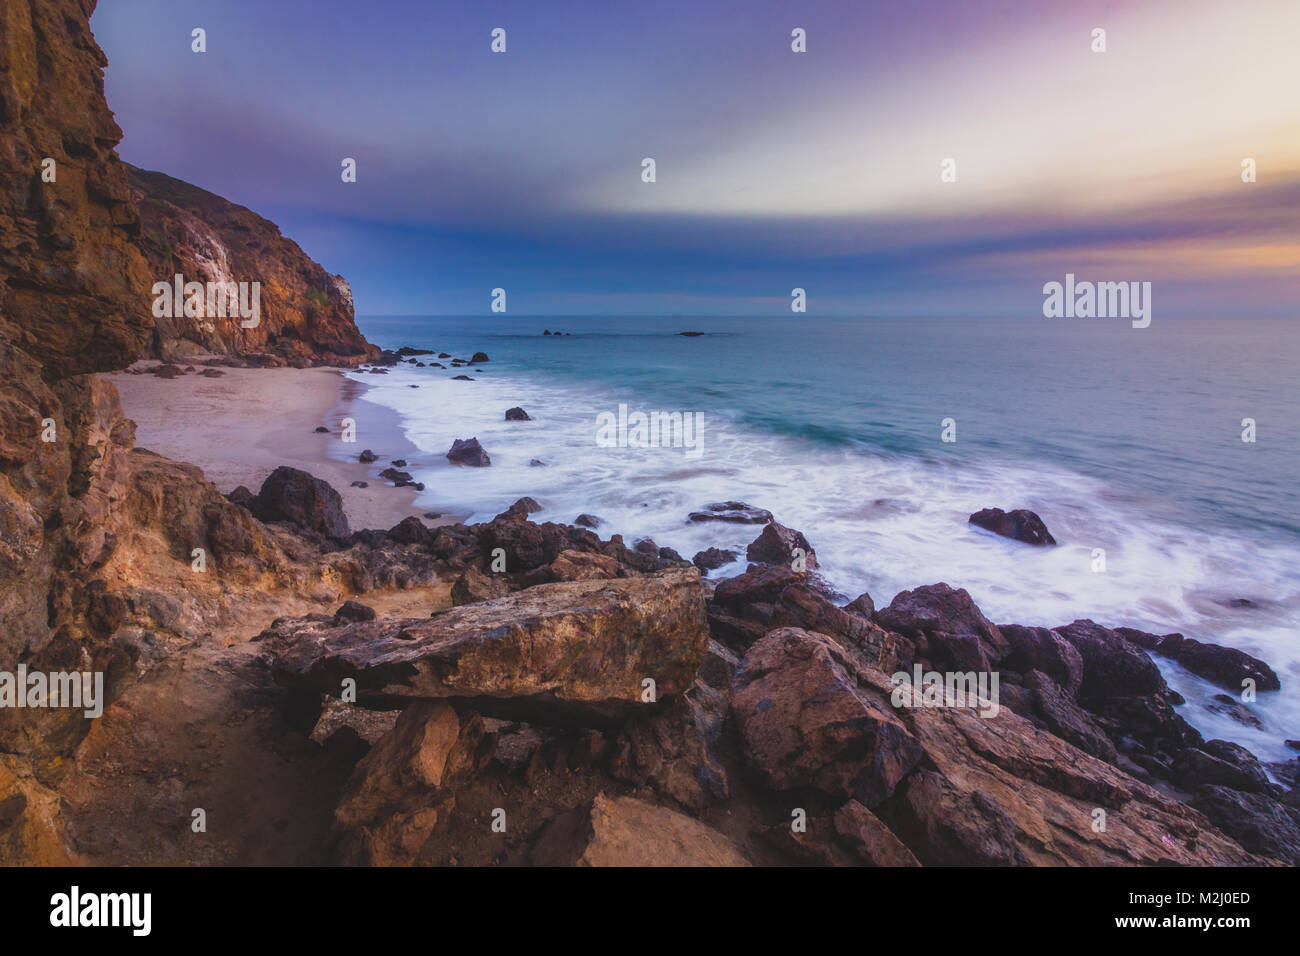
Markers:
<point>1020,525</point>
<point>734,512</point>
<point>467,451</point>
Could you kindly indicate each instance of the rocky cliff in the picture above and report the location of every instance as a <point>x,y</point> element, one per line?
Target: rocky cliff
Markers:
<point>306,314</point>
<point>74,290</point>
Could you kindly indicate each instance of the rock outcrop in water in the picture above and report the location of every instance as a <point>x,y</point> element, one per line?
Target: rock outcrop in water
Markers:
<point>1020,525</point>
<point>306,315</point>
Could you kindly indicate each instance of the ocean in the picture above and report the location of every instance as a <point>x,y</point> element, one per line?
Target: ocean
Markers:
<point>1125,441</point>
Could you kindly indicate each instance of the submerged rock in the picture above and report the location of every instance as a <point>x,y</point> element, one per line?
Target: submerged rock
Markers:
<point>1021,525</point>
<point>735,512</point>
<point>467,451</point>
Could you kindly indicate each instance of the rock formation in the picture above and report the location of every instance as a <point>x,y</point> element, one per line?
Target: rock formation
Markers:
<point>306,314</point>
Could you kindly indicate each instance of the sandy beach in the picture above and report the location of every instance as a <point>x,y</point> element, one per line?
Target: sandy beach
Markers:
<point>242,425</point>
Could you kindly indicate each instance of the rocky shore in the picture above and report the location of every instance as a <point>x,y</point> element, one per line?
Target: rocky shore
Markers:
<point>517,691</point>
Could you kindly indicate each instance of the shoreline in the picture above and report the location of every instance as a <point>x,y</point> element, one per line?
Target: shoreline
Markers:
<point>240,426</point>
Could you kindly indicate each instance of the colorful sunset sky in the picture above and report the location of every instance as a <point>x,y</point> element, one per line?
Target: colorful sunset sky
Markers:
<point>774,170</point>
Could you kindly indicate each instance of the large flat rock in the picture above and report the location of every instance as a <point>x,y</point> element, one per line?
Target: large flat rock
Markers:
<point>576,649</point>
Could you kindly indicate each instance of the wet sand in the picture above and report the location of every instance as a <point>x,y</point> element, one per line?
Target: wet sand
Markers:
<point>242,425</point>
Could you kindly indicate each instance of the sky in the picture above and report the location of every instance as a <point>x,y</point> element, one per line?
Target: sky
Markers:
<point>774,169</point>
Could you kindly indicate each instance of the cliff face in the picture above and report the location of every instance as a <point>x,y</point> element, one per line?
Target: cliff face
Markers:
<point>73,284</point>
<point>306,314</point>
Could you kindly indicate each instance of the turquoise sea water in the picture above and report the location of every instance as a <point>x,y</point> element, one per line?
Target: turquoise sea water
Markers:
<point>1125,440</point>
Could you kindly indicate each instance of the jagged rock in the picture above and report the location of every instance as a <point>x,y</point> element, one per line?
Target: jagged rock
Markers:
<point>719,667</point>
<point>410,531</point>
<point>805,723</point>
<point>870,840</point>
<point>734,512</point>
<point>399,790</point>
<point>467,451</point>
<point>625,831</point>
<point>1259,823</point>
<point>528,545</point>
<point>583,566</point>
<point>1041,649</point>
<point>947,628</point>
<point>243,497</point>
<point>474,586</point>
<point>520,510</point>
<point>295,496</point>
<point>1055,707</point>
<point>712,558</point>
<point>1021,525</point>
<point>1112,667</point>
<point>802,607</point>
<point>1225,666</point>
<point>761,584</point>
<point>354,611</point>
<point>1221,763</point>
<point>862,605</point>
<point>676,749</point>
<point>588,521</point>
<point>517,414</point>
<point>777,545</point>
<point>575,649</point>
<point>1231,707</point>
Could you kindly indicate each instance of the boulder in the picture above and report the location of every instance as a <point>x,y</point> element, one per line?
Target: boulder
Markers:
<point>1225,666</point>
<point>862,605</point>
<point>1042,649</point>
<point>517,414</point>
<point>520,510</point>
<point>805,721</point>
<point>1258,822</point>
<point>577,649</point>
<point>711,559</point>
<point>295,496</point>
<point>353,611</point>
<point>777,545</point>
<point>946,627</point>
<point>467,451</point>
<point>478,357</point>
<point>588,521</point>
<point>474,586</point>
<point>1112,666</point>
<point>1021,525</point>
<point>734,512</point>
